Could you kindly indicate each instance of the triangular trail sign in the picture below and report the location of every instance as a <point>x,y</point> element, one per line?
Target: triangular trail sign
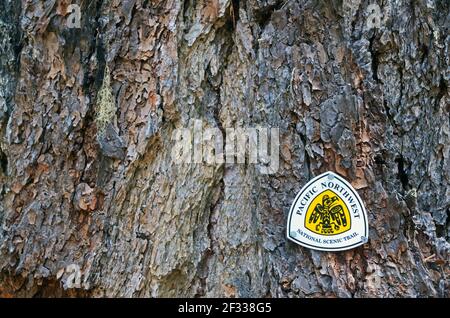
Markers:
<point>328,215</point>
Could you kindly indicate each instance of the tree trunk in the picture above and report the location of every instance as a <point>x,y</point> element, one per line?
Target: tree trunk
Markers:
<point>92,203</point>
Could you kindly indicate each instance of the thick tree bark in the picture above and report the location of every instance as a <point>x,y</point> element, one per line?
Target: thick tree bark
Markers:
<point>365,98</point>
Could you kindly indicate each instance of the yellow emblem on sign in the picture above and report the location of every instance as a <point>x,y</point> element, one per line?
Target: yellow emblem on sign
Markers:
<point>327,214</point>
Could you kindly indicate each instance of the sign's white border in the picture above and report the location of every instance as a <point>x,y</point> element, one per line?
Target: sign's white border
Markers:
<point>363,238</point>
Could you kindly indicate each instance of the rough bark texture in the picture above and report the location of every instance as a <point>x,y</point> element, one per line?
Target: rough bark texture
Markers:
<point>369,102</point>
